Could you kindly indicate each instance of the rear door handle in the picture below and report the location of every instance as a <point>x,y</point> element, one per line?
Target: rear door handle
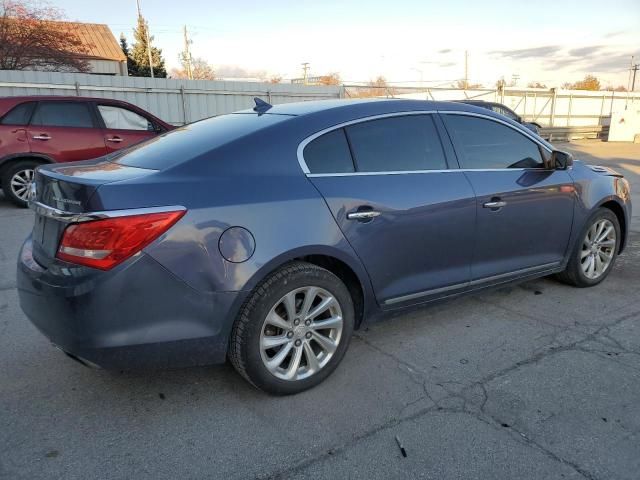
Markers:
<point>114,139</point>
<point>363,215</point>
<point>495,204</point>
<point>42,136</point>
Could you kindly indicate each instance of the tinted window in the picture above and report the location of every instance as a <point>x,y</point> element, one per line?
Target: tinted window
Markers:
<point>397,144</point>
<point>503,111</point>
<point>19,115</point>
<point>62,114</point>
<point>487,144</point>
<point>329,154</point>
<point>195,139</point>
<point>118,118</point>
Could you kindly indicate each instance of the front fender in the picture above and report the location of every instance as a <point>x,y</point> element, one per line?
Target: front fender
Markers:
<point>595,189</point>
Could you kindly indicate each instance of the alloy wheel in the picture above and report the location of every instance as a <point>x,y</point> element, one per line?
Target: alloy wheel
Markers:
<point>301,333</point>
<point>21,183</point>
<point>598,249</point>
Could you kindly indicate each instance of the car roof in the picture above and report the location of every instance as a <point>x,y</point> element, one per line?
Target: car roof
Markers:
<point>369,106</point>
<point>35,98</point>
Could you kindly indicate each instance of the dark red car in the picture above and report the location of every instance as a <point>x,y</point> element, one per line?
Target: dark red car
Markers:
<point>38,130</point>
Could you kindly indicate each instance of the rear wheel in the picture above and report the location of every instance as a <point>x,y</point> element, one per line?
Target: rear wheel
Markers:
<point>595,251</point>
<point>293,330</point>
<point>17,179</point>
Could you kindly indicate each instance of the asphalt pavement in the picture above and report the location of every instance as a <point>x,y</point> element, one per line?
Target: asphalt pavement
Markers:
<point>532,381</point>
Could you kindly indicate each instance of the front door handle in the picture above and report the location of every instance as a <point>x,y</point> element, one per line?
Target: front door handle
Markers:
<point>42,136</point>
<point>114,139</point>
<point>494,205</point>
<point>363,215</point>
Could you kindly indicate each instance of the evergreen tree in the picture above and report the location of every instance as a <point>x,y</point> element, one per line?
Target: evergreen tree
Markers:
<point>139,54</point>
<point>132,68</point>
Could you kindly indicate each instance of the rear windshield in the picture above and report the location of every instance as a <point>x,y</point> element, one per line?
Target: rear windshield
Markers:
<point>194,140</point>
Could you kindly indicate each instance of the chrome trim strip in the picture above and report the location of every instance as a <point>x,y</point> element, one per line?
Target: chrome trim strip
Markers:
<point>425,293</point>
<point>309,139</point>
<point>522,271</point>
<point>306,141</point>
<point>405,172</point>
<point>472,283</point>
<point>71,217</point>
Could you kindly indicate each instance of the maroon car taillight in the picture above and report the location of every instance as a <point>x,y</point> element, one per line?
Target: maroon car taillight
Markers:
<point>105,243</point>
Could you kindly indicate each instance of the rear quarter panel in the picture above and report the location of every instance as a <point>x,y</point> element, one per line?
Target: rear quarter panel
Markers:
<point>260,189</point>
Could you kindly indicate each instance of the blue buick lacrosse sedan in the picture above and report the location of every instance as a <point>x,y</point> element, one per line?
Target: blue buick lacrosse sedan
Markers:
<point>267,236</point>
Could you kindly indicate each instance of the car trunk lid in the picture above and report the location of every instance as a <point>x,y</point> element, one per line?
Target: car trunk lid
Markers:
<point>64,191</point>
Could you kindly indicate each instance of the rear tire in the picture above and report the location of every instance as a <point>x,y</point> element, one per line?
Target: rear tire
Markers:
<point>17,179</point>
<point>595,250</point>
<point>307,314</point>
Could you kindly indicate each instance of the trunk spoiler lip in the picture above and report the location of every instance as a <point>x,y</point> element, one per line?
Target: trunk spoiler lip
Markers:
<point>70,217</point>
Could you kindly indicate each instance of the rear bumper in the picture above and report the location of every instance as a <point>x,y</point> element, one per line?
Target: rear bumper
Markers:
<point>139,315</point>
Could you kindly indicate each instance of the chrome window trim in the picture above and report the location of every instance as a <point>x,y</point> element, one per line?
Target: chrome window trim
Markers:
<point>309,139</point>
<point>71,217</point>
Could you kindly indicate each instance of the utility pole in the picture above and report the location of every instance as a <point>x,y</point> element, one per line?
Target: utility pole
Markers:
<point>514,79</point>
<point>634,69</point>
<point>187,54</point>
<point>146,29</point>
<point>466,69</point>
<point>305,70</point>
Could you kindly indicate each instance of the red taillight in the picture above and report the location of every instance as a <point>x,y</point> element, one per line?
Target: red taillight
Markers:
<point>105,243</point>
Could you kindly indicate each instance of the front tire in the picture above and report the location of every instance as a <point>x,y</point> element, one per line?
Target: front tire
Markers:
<point>16,181</point>
<point>294,329</point>
<point>595,251</point>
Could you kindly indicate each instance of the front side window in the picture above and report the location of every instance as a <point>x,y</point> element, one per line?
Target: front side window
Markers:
<point>404,143</point>
<point>20,114</point>
<point>63,114</point>
<point>329,153</point>
<point>487,144</point>
<point>117,118</point>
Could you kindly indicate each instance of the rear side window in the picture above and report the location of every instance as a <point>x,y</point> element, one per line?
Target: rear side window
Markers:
<point>404,143</point>
<point>487,144</point>
<point>19,115</point>
<point>63,114</point>
<point>329,154</point>
<point>117,118</point>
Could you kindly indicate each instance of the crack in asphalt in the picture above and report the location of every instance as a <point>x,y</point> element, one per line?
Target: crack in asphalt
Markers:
<point>470,405</point>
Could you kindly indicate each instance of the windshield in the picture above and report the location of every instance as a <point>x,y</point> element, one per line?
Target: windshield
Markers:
<point>194,139</point>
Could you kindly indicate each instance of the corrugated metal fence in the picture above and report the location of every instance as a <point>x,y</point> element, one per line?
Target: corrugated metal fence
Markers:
<point>563,114</point>
<point>175,101</point>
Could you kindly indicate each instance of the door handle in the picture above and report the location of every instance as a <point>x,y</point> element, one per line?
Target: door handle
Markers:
<point>114,139</point>
<point>42,136</point>
<point>494,205</point>
<point>363,215</point>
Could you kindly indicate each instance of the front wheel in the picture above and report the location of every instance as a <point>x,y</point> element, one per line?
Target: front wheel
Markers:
<point>595,251</point>
<point>293,330</point>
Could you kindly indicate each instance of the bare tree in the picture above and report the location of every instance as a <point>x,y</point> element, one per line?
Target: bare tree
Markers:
<point>32,38</point>
<point>332,78</point>
<point>589,82</point>
<point>200,69</point>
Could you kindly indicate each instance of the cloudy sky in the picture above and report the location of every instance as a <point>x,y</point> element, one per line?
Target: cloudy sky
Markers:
<point>404,40</point>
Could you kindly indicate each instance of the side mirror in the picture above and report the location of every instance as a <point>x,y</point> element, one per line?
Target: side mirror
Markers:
<point>561,160</point>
